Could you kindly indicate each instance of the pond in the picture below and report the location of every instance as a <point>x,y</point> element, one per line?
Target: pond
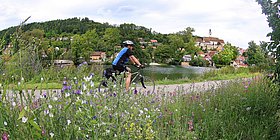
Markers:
<point>174,72</point>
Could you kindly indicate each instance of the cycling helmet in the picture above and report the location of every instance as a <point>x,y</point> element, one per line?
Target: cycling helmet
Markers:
<point>127,42</point>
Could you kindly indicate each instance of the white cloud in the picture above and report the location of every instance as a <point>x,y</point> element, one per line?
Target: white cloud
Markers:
<point>237,22</point>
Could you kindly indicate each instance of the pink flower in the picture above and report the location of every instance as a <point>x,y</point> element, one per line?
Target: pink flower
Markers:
<point>190,123</point>
<point>5,136</point>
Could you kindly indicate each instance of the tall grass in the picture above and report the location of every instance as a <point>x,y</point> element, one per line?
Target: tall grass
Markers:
<point>243,109</point>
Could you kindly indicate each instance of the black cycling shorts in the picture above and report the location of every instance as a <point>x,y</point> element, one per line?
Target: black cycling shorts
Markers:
<point>119,68</point>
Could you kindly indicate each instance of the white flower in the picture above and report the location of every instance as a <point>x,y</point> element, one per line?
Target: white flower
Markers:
<point>5,123</point>
<point>55,98</point>
<point>145,109</point>
<point>50,106</point>
<point>248,108</point>
<point>25,108</point>
<point>91,84</point>
<point>46,112</point>
<point>84,101</point>
<point>51,134</point>
<point>22,79</point>
<point>67,95</point>
<point>42,79</point>
<point>19,83</point>
<point>84,87</point>
<point>68,122</point>
<point>75,78</point>
<point>51,115</point>
<point>107,131</point>
<point>14,104</point>
<point>106,107</point>
<point>24,119</point>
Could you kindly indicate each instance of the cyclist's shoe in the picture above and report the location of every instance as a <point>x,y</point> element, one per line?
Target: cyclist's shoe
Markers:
<point>104,83</point>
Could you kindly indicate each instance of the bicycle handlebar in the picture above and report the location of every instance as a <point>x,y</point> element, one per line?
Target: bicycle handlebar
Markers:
<point>140,67</point>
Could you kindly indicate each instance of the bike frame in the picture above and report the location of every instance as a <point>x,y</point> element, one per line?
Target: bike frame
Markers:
<point>134,76</point>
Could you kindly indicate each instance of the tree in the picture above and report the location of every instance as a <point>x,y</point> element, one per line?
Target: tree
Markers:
<point>227,55</point>
<point>75,48</point>
<point>271,10</point>
<point>163,54</point>
<point>177,45</point>
<point>89,43</point>
<point>111,39</point>
<point>256,56</point>
<point>199,61</point>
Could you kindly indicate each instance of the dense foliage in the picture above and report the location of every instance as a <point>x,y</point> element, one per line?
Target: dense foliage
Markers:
<point>226,56</point>
<point>271,10</point>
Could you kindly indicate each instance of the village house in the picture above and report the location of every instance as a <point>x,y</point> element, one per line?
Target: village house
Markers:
<point>98,57</point>
<point>153,43</point>
<point>63,63</point>
<point>209,43</point>
<point>240,61</point>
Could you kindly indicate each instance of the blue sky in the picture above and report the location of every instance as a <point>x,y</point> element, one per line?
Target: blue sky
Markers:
<point>237,22</point>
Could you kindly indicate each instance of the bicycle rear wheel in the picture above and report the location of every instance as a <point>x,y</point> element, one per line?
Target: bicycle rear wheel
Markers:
<point>143,85</point>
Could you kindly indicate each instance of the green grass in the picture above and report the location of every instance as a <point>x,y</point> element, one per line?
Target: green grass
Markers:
<point>240,109</point>
<point>202,79</point>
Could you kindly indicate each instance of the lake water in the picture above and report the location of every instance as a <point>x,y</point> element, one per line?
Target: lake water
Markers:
<point>174,72</point>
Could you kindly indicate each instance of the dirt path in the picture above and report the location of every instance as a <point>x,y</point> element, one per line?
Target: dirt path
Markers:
<point>176,88</point>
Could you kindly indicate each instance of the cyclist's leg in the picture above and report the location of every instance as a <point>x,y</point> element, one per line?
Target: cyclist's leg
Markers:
<point>128,78</point>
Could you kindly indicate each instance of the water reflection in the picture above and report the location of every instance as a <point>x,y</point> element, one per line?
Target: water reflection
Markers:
<point>174,72</point>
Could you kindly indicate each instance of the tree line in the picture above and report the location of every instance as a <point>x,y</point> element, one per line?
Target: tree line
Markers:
<point>36,45</point>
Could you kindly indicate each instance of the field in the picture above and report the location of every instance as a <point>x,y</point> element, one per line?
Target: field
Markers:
<point>241,109</point>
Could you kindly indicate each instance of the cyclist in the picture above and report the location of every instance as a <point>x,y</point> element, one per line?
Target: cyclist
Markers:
<point>122,58</point>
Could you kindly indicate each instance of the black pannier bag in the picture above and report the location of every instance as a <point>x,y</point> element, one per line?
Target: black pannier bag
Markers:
<point>108,72</point>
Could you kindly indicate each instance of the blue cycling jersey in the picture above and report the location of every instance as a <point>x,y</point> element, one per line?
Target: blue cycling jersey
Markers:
<point>123,57</point>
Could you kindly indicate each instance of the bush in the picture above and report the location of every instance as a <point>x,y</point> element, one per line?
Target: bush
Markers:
<point>199,61</point>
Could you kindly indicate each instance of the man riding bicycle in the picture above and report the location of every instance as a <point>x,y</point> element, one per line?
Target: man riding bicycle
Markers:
<point>122,58</point>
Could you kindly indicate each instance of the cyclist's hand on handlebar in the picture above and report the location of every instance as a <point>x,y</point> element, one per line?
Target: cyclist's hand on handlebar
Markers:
<point>141,66</point>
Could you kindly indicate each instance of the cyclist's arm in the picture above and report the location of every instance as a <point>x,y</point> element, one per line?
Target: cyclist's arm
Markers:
<point>134,60</point>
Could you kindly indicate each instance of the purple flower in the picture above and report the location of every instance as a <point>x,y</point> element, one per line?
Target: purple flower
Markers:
<point>78,92</point>
<point>94,117</point>
<point>45,94</point>
<point>135,91</point>
<point>5,136</point>
<point>91,74</point>
<point>64,83</point>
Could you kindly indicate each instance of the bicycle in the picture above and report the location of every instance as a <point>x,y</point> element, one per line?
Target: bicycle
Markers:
<point>139,83</point>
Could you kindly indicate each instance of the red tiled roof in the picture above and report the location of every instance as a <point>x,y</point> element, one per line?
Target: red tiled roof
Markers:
<point>97,53</point>
<point>154,41</point>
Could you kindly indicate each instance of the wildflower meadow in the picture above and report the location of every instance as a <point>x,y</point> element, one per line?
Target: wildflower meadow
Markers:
<point>238,109</point>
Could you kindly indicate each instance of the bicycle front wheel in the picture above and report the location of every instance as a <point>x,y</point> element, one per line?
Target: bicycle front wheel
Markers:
<point>143,85</point>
